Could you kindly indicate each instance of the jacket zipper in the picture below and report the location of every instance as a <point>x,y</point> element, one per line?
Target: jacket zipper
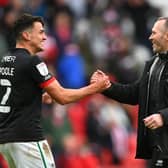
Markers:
<point>148,89</point>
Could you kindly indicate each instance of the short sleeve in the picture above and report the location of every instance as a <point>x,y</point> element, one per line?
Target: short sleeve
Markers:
<point>39,72</point>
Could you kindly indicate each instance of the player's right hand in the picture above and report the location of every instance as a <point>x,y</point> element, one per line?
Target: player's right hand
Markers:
<point>100,79</point>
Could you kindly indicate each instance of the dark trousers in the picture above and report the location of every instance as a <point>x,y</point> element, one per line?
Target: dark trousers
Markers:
<point>157,161</point>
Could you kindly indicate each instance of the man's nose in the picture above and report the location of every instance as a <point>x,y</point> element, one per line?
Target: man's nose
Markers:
<point>44,37</point>
<point>150,37</point>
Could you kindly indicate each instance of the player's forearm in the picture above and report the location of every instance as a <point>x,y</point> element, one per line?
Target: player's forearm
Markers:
<point>72,95</point>
<point>64,96</point>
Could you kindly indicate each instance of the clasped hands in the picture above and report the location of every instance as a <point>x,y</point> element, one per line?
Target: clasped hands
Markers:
<point>101,79</point>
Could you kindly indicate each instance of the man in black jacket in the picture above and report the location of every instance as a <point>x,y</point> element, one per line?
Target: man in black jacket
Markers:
<point>151,93</point>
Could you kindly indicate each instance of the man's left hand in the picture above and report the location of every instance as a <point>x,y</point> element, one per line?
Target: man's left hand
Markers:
<point>153,121</point>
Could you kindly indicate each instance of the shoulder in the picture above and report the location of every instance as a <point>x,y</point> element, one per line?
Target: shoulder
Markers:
<point>19,51</point>
<point>22,55</point>
<point>35,61</point>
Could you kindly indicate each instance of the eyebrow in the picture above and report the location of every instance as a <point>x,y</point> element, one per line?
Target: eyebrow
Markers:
<point>42,30</point>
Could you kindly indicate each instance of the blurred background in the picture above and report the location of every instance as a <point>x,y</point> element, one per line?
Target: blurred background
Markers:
<point>83,36</point>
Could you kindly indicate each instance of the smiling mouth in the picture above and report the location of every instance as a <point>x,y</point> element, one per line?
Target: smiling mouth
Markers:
<point>42,43</point>
<point>153,44</point>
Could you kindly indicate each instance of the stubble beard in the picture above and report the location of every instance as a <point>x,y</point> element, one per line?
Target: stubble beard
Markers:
<point>156,49</point>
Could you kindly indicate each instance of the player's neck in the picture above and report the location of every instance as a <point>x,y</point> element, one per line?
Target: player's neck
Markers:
<point>25,46</point>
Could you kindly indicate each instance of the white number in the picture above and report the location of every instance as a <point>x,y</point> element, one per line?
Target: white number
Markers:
<point>7,84</point>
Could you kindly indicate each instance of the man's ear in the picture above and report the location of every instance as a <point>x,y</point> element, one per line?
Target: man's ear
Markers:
<point>26,35</point>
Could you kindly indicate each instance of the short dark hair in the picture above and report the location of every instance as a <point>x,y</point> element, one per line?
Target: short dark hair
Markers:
<point>166,20</point>
<point>24,22</point>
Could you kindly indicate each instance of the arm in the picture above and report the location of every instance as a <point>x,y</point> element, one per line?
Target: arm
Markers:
<point>123,93</point>
<point>64,96</point>
<point>40,74</point>
<point>127,93</point>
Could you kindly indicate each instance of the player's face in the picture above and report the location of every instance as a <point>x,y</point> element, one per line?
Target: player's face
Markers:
<point>37,37</point>
<point>158,37</point>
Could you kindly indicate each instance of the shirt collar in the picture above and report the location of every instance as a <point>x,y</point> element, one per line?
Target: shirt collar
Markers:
<point>163,55</point>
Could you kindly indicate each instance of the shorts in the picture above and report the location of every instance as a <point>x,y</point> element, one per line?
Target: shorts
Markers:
<point>28,154</point>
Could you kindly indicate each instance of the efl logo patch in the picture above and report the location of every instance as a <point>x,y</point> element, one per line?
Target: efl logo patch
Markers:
<point>42,68</point>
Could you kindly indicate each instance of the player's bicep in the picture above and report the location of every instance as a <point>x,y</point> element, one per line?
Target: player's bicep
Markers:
<point>39,72</point>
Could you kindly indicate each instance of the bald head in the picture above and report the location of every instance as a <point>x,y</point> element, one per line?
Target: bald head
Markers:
<point>164,20</point>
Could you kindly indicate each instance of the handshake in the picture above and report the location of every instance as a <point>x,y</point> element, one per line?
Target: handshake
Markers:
<point>100,80</point>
